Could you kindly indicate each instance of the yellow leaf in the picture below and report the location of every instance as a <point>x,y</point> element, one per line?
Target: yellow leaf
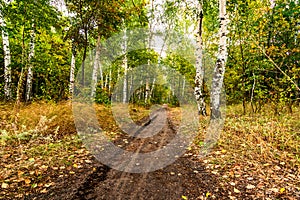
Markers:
<point>236,190</point>
<point>43,191</point>
<point>20,173</point>
<point>282,190</point>
<point>249,187</point>
<point>4,185</point>
<point>27,181</point>
<point>31,159</point>
<point>75,165</point>
<point>184,197</point>
<point>44,167</point>
<point>208,194</point>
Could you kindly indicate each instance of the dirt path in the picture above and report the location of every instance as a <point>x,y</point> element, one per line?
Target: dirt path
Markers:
<point>186,177</point>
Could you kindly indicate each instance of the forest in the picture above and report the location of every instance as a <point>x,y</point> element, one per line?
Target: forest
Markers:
<point>149,99</point>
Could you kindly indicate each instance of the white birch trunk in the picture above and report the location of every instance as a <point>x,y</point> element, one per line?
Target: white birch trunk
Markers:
<point>7,59</point>
<point>152,88</point>
<point>109,81</point>
<point>125,66</point>
<point>30,73</point>
<point>96,67</point>
<point>219,71</point>
<point>199,67</point>
<point>72,70</point>
<point>147,87</point>
<point>183,87</point>
<point>106,81</point>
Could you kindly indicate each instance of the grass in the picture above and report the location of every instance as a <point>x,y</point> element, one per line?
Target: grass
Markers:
<point>44,134</point>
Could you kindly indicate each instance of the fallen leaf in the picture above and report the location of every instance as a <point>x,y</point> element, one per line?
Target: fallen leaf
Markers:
<point>27,181</point>
<point>4,185</point>
<point>236,190</point>
<point>208,194</point>
<point>250,187</point>
<point>48,185</point>
<point>44,167</point>
<point>282,190</point>
<point>88,161</point>
<point>274,190</point>
<point>43,191</point>
<point>184,197</point>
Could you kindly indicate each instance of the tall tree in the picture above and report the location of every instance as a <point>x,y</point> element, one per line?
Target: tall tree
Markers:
<point>217,82</point>
<point>72,69</point>
<point>199,66</point>
<point>7,57</point>
<point>30,58</point>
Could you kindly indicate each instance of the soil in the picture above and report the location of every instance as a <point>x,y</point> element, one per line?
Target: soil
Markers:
<point>186,178</point>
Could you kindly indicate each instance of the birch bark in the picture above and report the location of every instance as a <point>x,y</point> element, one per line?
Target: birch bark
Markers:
<point>219,70</point>
<point>96,67</point>
<point>30,57</point>
<point>72,70</point>
<point>7,59</point>
<point>199,67</point>
<point>125,66</point>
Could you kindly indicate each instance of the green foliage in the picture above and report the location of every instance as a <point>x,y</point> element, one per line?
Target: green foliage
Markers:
<point>251,76</point>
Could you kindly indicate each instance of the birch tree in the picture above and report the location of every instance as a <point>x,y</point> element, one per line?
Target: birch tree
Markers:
<point>72,70</point>
<point>199,66</point>
<point>125,66</point>
<point>96,67</point>
<point>7,58</point>
<point>30,57</point>
<point>219,70</point>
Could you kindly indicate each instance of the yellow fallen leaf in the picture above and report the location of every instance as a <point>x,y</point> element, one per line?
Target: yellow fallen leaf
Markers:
<point>48,185</point>
<point>20,173</point>
<point>4,185</point>
<point>27,181</point>
<point>75,165</point>
<point>184,197</point>
<point>208,194</point>
<point>43,191</point>
<point>250,187</point>
<point>282,190</point>
<point>236,190</point>
<point>44,167</point>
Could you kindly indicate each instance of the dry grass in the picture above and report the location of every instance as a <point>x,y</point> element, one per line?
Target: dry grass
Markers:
<point>46,132</point>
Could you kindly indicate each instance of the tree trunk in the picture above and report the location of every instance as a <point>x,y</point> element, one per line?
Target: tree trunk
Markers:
<point>7,59</point>
<point>84,57</point>
<point>72,70</point>
<point>219,71</point>
<point>20,82</point>
<point>125,66</point>
<point>96,67</point>
<point>109,81</point>
<point>199,68</point>
<point>30,57</point>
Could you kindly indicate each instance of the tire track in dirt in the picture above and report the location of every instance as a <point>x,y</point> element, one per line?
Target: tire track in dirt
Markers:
<point>185,177</point>
<point>167,131</point>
